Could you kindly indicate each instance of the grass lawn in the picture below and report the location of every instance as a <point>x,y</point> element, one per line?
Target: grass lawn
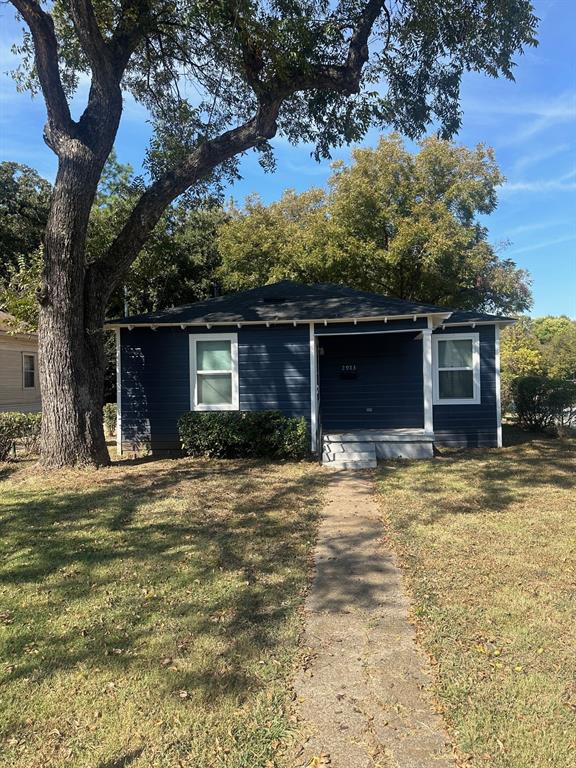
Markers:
<point>149,613</point>
<point>488,542</point>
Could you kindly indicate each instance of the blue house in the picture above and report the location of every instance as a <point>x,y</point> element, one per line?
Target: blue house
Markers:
<point>373,376</point>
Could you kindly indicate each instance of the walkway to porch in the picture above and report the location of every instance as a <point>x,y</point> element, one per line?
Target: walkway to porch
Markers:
<point>362,698</point>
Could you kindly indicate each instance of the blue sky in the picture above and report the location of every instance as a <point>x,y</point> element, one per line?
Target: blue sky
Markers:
<point>531,124</point>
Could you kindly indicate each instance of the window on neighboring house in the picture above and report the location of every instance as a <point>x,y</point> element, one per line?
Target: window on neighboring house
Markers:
<point>214,372</point>
<point>456,369</point>
<point>29,371</point>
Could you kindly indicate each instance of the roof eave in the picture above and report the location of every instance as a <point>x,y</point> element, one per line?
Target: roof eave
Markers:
<point>437,319</point>
<point>495,321</point>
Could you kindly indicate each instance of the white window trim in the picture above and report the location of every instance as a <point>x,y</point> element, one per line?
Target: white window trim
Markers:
<point>34,357</point>
<point>233,339</point>
<point>475,339</point>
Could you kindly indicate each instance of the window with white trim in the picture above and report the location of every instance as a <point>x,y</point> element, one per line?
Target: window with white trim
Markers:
<point>456,369</point>
<point>214,372</point>
<point>29,371</point>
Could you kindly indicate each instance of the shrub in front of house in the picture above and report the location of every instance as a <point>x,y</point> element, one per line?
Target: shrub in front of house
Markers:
<point>543,403</point>
<point>244,434</point>
<point>22,428</point>
<point>109,413</point>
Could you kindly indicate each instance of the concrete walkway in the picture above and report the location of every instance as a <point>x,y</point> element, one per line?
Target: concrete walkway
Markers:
<point>362,699</point>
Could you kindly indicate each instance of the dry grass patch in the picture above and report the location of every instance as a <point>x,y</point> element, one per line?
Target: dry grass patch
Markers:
<point>488,542</point>
<point>149,613</point>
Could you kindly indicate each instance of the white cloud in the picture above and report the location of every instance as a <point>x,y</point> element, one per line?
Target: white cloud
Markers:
<point>537,225</point>
<point>533,115</point>
<point>534,158</point>
<point>564,183</point>
<point>541,245</point>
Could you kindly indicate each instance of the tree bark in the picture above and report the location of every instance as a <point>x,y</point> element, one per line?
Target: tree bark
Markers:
<point>71,339</point>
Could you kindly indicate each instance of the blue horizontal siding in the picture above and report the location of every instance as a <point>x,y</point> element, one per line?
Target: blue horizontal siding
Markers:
<point>155,387</point>
<point>472,426</point>
<point>273,369</point>
<point>388,381</point>
<point>274,373</point>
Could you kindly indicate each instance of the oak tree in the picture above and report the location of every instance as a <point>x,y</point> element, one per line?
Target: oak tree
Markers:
<point>219,77</point>
<point>393,221</point>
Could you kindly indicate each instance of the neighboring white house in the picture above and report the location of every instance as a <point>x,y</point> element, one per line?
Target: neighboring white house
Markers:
<point>19,385</point>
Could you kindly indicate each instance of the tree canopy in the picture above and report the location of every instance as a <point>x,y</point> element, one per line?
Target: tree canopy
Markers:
<point>392,221</point>
<point>535,347</point>
<point>24,205</point>
<point>176,266</point>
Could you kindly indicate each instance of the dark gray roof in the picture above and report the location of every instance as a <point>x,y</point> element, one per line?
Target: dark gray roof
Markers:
<point>288,301</point>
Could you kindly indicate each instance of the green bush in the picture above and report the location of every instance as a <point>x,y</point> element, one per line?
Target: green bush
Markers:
<point>110,410</point>
<point>543,403</point>
<point>21,427</point>
<point>244,434</point>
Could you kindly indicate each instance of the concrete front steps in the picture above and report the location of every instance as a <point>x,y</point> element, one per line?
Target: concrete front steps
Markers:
<point>361,449</point>
<point>349,455</point>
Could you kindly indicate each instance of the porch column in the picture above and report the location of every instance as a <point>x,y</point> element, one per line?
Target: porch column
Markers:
<point>427,379</point>
<point>313,392</point>
<point>498,386</point>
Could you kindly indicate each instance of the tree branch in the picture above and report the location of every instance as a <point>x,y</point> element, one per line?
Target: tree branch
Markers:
<point>129,32</point>
<point>92,42</point>
<point>145,215</point>
<point>344,78</point>
<point>41,27</point>
<point>153,202</point>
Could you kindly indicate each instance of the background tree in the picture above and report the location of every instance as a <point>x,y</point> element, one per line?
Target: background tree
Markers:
<point>176,266</point>
<point>557,335</point>
<point>24,206</point>
<point>545,346</point>
<point>520,355</point>
<point>299,67</point>
<point>395,222</point>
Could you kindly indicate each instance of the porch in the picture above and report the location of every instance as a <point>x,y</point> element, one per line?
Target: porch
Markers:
<point>374,396</point>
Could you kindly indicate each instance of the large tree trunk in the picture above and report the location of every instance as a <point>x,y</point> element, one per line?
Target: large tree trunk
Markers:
<point>70,331</point>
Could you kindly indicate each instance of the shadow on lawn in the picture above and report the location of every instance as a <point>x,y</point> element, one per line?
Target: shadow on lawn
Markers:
<point>124,761</point>
<point>481,480</point>
<point>96,548</point>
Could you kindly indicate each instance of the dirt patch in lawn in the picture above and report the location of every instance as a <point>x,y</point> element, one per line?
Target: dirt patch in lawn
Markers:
<point>150,613</point>
<point>362,696</point>
<point>487,539</point>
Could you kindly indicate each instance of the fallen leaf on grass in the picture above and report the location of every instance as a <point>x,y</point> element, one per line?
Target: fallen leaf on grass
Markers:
<point>319,760</point>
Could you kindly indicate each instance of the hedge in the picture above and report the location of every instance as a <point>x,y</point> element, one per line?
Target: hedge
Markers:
<point>22,427</point>
<point>244,434</point>
<point>544,403</point>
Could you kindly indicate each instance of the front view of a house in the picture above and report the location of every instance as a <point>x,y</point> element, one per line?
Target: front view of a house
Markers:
<point>372,376</point>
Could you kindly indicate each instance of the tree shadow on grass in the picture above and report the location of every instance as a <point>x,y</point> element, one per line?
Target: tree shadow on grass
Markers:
<point>8,468</point>
<point>215,551</point>
<point>480,480</point>
<point>124,760</point>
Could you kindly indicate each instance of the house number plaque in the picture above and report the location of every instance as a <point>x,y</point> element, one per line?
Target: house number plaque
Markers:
<point>348,371</point>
